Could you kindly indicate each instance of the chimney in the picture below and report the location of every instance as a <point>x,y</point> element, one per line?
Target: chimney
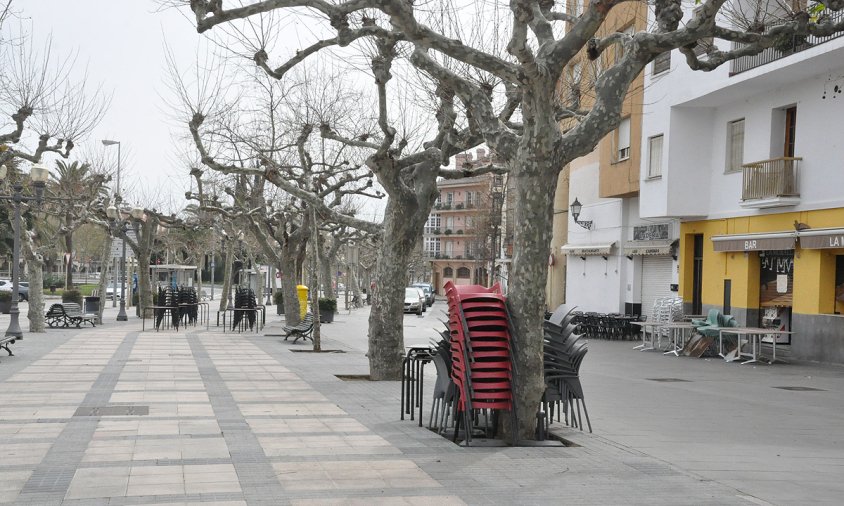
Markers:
<point>481,154</point>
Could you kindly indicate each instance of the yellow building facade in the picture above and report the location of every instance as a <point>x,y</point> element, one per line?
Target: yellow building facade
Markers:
<point>785,269</point>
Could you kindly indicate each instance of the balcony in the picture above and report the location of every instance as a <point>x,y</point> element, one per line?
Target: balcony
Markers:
<point>770,183</point>
<point>783,48</point>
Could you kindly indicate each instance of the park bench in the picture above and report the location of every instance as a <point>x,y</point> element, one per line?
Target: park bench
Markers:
<point>301,331</point>
<point>67,314</point>
<point>5,341</point>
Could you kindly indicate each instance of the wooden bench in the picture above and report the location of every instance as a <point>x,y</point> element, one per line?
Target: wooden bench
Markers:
<point>67,314</point>
<point>301,331</point>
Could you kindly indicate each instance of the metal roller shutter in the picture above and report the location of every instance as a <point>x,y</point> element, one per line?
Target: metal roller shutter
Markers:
<point>656,281</point>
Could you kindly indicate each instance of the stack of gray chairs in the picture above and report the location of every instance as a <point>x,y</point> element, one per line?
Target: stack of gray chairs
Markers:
<point>445,391</point>
<point>563,352</point>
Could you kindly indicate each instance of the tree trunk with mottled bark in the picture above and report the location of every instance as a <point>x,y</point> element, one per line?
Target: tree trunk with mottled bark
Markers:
<point>35,262</point>
<point>104,258</point>
<point>287,266</point>
<point>228,258</point>
<point>403,223</point>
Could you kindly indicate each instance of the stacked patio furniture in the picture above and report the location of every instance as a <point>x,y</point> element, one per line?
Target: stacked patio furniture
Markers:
<point>188,307</point>
<point>244,300</point>
<point>167,305</point>
<point>666,310</point>
<point>563,353</point>
<point>482,365</point>
<point>445,391</point>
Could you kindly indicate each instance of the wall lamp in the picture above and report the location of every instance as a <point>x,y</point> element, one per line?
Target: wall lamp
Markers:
<point>576,207</point>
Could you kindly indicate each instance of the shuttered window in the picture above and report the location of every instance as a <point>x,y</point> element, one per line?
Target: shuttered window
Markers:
<point>735,145</point>
<point>655,156</point>
<point>623,140</point>
<point>662,63</point>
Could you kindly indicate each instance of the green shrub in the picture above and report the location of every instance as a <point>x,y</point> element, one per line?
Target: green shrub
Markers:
<point>327,304</point>
<point>5,296</point>
<point>57,281</point>
<point>72,296</point>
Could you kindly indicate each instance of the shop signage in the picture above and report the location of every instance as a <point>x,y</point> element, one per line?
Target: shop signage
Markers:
<point>832,239</point>
<point>759,242</point>
<point>659,231</point>
<point>587,249</point>
<point>634,248</point>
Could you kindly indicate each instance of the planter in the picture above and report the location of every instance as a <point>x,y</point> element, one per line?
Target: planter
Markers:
<point>326,316</point>
<point>5,306</point>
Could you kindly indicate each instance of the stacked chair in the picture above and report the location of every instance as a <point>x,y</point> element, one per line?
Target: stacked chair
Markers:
<point>563,352</point>
<point>167,305</point>
<point>482,366</point>
<point>445,390</point>
<point>187,305</point>
<point>244,298</point>
<point>666,310</point>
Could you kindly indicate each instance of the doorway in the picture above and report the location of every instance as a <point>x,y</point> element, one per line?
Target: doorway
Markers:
<point>697,275</point>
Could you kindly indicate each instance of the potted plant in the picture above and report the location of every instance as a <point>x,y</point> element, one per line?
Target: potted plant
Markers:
<point>5,302</point>
<point>278,300</point>
<point>459,205</point>
<point>459,232</point>
<point>448,231</point>
<point>327,307</point>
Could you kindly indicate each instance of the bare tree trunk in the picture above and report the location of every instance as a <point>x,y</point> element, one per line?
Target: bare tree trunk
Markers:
<point>104,258</point>
<point>533,212</point>
<point>35,263</point>
<point>227,276</point>
<point>67,258</point>
<point>325,274</point>
<point>386,320</point>
<point>287,266</point>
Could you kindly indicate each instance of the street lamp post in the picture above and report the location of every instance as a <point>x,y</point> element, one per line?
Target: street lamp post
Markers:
<point>38,175</point>
<point>121,315</point>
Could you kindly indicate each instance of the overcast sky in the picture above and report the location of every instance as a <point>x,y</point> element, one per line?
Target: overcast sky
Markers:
<point>121,42</point>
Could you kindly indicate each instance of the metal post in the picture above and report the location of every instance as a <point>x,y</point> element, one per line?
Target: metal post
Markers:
<point>14,325</point>
<point>121,315</point>
<point>213,266</point>
<point>114,282</point>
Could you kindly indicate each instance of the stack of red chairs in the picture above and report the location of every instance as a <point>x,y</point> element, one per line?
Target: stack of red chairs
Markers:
<point>482,354</point>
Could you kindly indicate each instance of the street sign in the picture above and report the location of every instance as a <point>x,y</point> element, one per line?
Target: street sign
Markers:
<point>117,249</point>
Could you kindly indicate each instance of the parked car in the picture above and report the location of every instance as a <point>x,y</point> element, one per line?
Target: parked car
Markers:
<point>414,300</point>
<point>428,288</point>
<point>111,289</point>
<point>23,288</point>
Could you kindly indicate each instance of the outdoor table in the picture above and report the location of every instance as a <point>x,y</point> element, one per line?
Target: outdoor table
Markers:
<point>648,344</point>
<point>690,317</point>
<point>754,336</point>
<point>677,330</point>
<point>413,371</point>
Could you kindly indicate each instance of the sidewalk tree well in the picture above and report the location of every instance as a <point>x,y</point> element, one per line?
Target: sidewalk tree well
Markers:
<point>509,99</point>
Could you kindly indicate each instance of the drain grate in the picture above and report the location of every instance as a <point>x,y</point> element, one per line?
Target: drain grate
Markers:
<point>353,377</point>
<point>802,389</point>
<point>668,380</point>
<point>653,468</point>
<point>320,351</point>
<point>113,411</point>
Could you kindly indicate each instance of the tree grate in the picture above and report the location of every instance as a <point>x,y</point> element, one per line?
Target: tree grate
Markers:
<point>668,380</point>
<point>353,377</point>
<point>112,411</point>
<point>801,389</point>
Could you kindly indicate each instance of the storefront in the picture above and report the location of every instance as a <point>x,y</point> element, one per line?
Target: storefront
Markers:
<point>657,271</point>
<point>782,271</point>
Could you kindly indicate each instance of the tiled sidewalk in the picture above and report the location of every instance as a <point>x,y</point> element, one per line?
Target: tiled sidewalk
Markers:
<point>238,419</point>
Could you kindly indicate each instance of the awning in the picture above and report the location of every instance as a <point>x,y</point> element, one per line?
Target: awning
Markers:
<point>662,248</point>
<point>821,238</point>
<point>755,242</point>
<point>587,249</point>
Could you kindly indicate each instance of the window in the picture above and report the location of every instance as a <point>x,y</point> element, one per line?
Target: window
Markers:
<point>432,246</point>
<point>448,272</point>
<point>464,272</point>
<point>662,63</point>
<point>433,223</point>
<point>449,222</point>
<point>790,131</point>
<point>655,156</point>
<point>622,140</point>
<point>449,198</point>
<point>735,145</point>
<point>449,248</point>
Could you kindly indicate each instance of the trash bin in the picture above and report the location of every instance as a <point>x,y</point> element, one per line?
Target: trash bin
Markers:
<point>302,290</point>
<point>92,304</point>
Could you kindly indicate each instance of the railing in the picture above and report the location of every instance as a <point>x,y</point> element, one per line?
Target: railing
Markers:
<point>784,48</point>
<point>777,177</point>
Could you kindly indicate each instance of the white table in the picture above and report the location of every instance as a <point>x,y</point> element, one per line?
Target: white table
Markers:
<point>648,344</point>
<point>677,332</point>
<point>754,336</point>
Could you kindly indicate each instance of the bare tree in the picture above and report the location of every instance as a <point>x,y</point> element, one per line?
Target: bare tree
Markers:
<point>531,143</point>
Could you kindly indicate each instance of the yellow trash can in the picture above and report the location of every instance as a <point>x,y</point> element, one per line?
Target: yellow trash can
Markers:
<point>302,290</point>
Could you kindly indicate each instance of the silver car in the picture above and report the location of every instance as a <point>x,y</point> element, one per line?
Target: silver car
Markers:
<point>414,300</point>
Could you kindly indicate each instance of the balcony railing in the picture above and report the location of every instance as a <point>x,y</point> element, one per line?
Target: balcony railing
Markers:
<point>785,47</point>
<point>770,179</point>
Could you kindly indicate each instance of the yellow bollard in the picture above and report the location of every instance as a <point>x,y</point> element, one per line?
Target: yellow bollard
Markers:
<point>302,290</point>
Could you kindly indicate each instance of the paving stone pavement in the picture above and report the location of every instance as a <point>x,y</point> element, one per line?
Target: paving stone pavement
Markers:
<point>221,418</point>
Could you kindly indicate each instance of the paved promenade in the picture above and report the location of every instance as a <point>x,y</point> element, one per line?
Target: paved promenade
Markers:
<point>117,416</point>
